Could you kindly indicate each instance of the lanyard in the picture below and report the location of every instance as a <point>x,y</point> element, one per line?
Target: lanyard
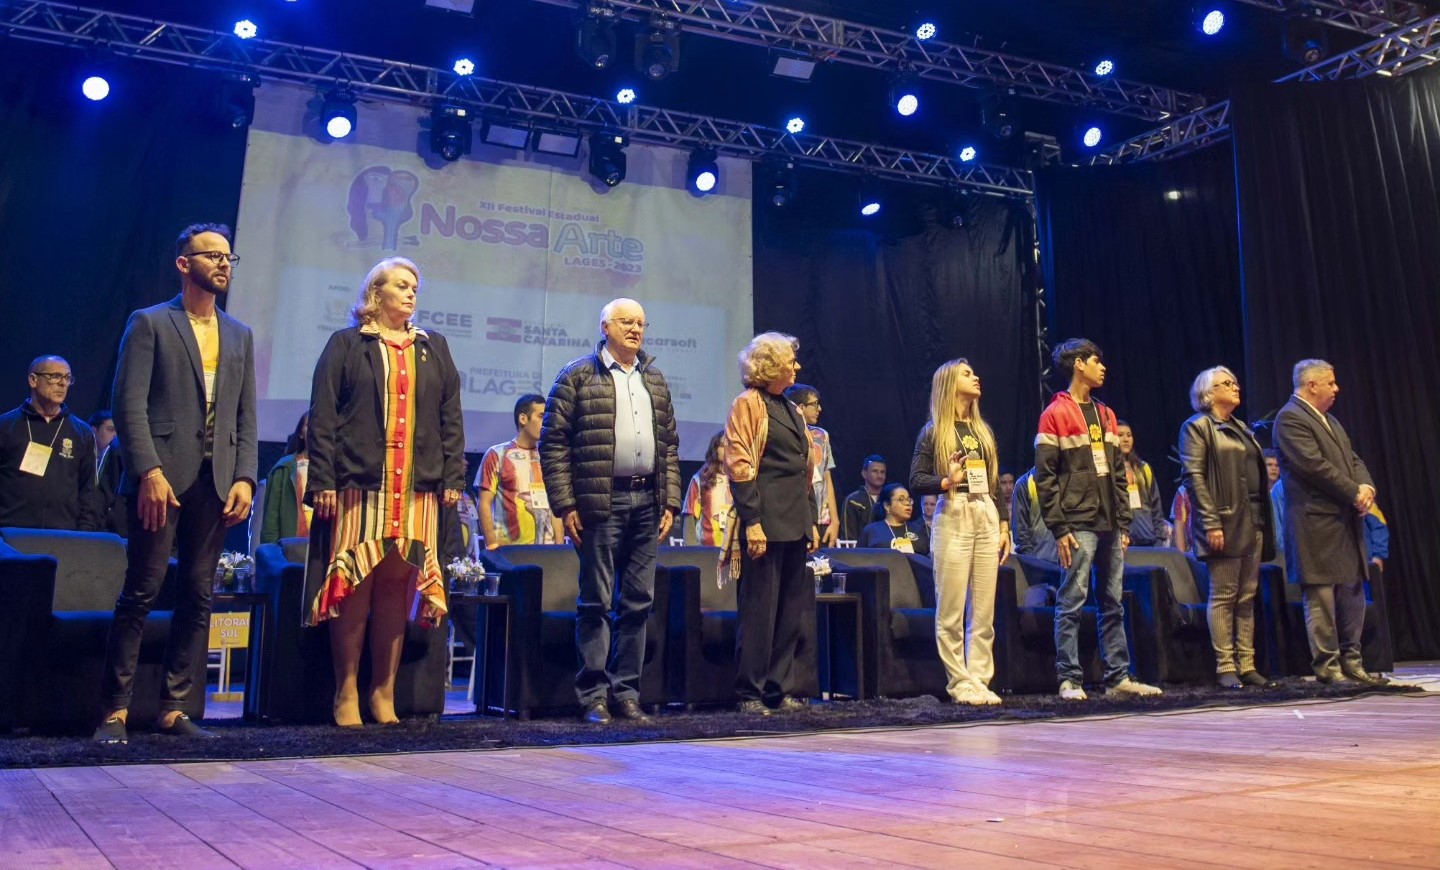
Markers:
<point>31,435</point>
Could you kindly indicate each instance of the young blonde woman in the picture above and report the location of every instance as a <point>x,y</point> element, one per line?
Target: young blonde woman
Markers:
<point>955,459</point>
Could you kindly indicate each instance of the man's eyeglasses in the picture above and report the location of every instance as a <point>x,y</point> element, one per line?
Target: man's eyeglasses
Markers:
<point>55,377</point>
<point>1226,383</point>
<point>631,322</point>
<point>216,257</point>
<point>814,403</point>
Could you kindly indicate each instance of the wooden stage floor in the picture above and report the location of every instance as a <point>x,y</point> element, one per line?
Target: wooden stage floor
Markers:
<point>1326,785</point>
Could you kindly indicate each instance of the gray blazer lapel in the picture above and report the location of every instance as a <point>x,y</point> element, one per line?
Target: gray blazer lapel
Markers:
<point>231,350</point>
<point>187,337</point>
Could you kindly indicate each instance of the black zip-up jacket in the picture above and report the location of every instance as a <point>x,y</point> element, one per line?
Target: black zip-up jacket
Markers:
<point>65,498</point>
<point>577,443</point>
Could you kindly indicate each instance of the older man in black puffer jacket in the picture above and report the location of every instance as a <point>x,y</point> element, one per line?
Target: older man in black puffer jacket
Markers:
<point>610,459</point>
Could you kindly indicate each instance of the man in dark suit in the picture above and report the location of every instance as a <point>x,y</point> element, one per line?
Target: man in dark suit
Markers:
<point>1328,491</point>
<point>185,412</point>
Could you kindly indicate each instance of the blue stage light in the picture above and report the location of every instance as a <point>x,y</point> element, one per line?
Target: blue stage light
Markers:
<point>795,125</point>
<point>925,31</point>
<point>967,154</point>
<point>869,197</point>
<point>1092,137</point>
<point>703,170</point>
<point>1213,22</point>
<point>1104,68</point>
<point>464,67</point>
<point>245,29</point>
<point>625,96</point>
<point>870,207</point>
<point>95,88</point>
<point>337,114</point>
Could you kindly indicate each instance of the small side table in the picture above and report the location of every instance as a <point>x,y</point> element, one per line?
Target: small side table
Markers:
<point>260,604</point>
<point>491,669</point>
<point>841,645</point>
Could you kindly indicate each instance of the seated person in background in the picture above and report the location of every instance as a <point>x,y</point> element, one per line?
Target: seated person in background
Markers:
<point>1377,537</point>
<point>1007,492</point>
<point>1180,519</point>
<point>1027,524</point>
<point>927,510</point>
<point>286,514</point>
<point>109,472</point>
<point>807,399</point>
<point>893,525</point>
<point>855,514</point>
<point>513,506</point>
<point>1276,499</point>
<point>706,508</point>
<point>1147,520</point>
<point>47,457</point>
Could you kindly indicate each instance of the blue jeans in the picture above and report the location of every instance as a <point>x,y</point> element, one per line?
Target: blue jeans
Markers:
<point>623,544</point>
<point>1102,551</point>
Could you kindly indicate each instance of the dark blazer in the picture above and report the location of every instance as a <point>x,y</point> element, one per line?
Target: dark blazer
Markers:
<point>346,397</point>
<point>780,497</point>
<point>1212,459</point>
<point>159,400</point>
<point>1324,536</point>
<point>577,445</point>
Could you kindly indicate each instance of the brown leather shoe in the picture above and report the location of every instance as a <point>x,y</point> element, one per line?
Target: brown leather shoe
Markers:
<point>631,709</point>
<point>596,714</point>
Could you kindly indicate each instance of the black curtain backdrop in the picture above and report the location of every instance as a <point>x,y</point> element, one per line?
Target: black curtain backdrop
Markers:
<point>877,307</point>
<point>1144,261</point>
<point>1339,188</point>
<point>92,196</point>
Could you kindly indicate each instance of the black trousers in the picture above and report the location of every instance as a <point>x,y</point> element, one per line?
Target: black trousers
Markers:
<point>197,527</point>
<point>772,596</point>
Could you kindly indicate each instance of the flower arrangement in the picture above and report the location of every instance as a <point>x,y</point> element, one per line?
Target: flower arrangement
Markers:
<point>820,565</point>
<point>466,575</point>
<point>233,572</point>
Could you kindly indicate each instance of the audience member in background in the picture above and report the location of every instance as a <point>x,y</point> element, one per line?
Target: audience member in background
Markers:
<point>955,457</point>
<point>184,403</point>
<point>1027,522</point>
<point>770,466</point>
<point>286,513</point>
<point>893,523</point>
<point>1005,492</point>
<point>1276,500</point>
<point>1078,473</point>
<point>1272,468</point>
<point>1229,521</point>
<point>707,499</point>
<point>611,459</point>
<point>1377,537</point>
<point>47,457</point>
<point>807,399</point>
<point>513,507</point>
<point>109,475</point>
<point>1180,519</point>
<point>1328,492</point>
<point>927,512</point>
<point>1147,519</point>
<point>855,514</point>
<point>378,485</point>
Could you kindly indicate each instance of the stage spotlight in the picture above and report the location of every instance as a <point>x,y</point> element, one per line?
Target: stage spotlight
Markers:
<point>869,198</point>
<point>562,143</point>
<point>967,154</point>
<point>245,29</point>
<point>504,132</point>
<point>464,67</point>
<point>595,37</point>
<point>997,115</point>
<point>904,95</point>
<point>607,157</point>
<point>625,96</point>
<point>657,50</point>
<point>703,170</point>
<point>1210,20</point>
<point>235,100</point>
<point>781,181</point>
<point>337,114</point>
<point>795,125</point>
<point>95,87</point>
<point>450,133</point>
<point>925,31</point>
<point>1104,68</point>
<point>1091,136</point>
<point>1306,42</point>
<point>792,65</point>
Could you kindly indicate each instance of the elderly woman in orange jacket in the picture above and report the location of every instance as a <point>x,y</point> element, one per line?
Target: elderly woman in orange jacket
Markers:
<point>769,464</point>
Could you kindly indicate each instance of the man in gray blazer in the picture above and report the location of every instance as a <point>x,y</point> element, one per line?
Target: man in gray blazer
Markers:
<point>185,415</point>
<point>1328,491</point>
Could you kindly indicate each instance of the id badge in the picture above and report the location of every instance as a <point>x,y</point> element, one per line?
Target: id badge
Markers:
<point>538,500</point>
<point>977,479</point>
<point>1102,465</point>
<point>1135,504</point>
<point>36,459</point>
<point>902,544</point>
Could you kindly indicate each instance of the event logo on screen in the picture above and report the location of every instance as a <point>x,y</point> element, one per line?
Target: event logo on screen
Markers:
<point>380,204</point>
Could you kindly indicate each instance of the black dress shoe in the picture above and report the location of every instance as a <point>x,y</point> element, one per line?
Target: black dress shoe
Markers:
<point>1257,679</point>
<point>1365,677</point>
<point>596,714</point>
<point>183,727</point>
<point>754,708</point>
<point>791,704</point>
<point>1229,681</point>
<point>112,732</point>
<point>630,709</point>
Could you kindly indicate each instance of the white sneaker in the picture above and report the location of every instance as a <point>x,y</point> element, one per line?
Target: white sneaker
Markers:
<point>1133,688</point>
<point>1071,691</point>
<point>974,695</point>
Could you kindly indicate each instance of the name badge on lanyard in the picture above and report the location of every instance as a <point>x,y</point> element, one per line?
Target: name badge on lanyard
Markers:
<point>977,479</point>
<point>902,544</point>
<point>1097,452</point>
<point>36,459</point>
<point>1135,504</point>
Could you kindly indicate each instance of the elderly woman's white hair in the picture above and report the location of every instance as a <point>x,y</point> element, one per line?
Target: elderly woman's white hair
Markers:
<point>367,304</point>
<point>1204,386</point>
<point>765,358</point>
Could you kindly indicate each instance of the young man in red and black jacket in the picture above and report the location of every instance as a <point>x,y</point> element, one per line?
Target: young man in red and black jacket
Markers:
<point>1081,484</point>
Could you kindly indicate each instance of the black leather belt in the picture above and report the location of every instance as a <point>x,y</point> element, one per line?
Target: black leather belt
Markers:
<point>635,483</point>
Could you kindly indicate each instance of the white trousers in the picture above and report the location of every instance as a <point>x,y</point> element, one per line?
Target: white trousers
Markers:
<point>965,548</point>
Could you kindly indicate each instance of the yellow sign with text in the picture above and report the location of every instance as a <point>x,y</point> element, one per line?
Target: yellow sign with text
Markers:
<point>229,630</point>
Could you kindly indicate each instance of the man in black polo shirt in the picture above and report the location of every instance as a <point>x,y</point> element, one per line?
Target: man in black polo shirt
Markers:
<point>47,457</point>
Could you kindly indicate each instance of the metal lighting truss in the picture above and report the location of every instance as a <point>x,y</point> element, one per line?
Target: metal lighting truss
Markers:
<point>1404,50</point>
<point>184,45</point>
<point>834,39</point>
<point>1373,17</point>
